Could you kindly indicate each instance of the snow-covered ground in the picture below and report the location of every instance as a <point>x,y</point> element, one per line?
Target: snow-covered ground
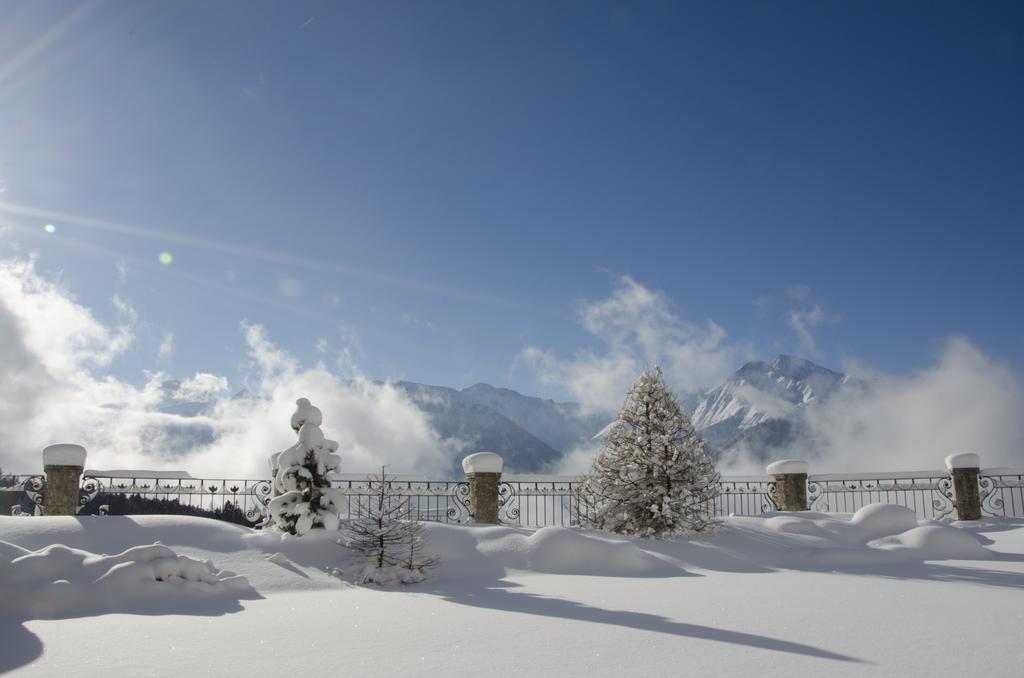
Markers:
<point>781,595</point>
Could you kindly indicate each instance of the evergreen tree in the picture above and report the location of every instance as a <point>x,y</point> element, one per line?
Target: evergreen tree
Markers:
<point>653,477</point>
<point>392,544</point>
<point>302,476</point>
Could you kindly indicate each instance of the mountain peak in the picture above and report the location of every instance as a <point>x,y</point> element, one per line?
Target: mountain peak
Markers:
<point>793,363</point>
<point>783,361</point>
<point>796,367</point>
<point>482,386</point>
<point>753,367</point>
<point>789,366</point>
<point>762,395</point>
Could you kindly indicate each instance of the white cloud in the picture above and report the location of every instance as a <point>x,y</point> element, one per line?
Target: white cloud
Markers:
<point>65,335</point>
<point>166,350</point>
<point>202,387</point>
<point>638,328</point>
<point>806,318</point>
<point>965,402</point>
<point>578,460</point>
<point>54,389</point>
<point>375,423</point>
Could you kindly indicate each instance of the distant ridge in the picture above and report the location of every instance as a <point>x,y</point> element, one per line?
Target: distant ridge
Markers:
<point>759,411</point>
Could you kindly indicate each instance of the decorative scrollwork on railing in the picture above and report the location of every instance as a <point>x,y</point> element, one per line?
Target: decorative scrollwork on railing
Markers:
<point>34,488</point>
<point>506,492</point>
<point>458,507</point>
<point>991,503</point>
<point>930,496</point>
<point>996,488</point>
<point>816,500</point>
<point>771,497</point>
<point>943,502</point>
<point>258,512</point>
<point>88,491</point>
<point>745,496</point>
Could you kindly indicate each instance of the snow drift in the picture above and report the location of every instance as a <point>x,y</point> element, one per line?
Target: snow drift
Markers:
<point>59,581</point>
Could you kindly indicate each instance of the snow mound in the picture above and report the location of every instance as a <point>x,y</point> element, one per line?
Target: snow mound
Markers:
<point>561,550</point>
<point>876,535</point>
<point>59,581</point>
<point>113,534</point>
<point>880,520</point>
<point>802,524</point>
<point>936,542</point>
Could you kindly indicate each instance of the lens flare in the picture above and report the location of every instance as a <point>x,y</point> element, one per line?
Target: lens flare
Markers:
<point>50,228</point>
<point>165,258</point>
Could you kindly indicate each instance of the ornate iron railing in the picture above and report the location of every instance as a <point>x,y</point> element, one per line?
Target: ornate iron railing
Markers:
<point>1002,492</point>
<point>444,501</point>
<point>236,500</point>
<point>928,493</point>
<point>525,500</point>
<point>24,494</point>
<point>744,496</point>
<point>540,501</point>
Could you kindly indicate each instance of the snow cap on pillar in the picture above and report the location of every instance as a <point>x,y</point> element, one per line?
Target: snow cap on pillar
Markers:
<point>963,460</point>
<point>64,454</point>
<point>482,462</point>
<point>787,466</point>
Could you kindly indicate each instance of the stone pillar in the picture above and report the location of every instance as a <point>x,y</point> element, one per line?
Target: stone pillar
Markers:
<point>964,469</point>
<point>63,464</point>
<point>483,471</point>
<point>790,484</point>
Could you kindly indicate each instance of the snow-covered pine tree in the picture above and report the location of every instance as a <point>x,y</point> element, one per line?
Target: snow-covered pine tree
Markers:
<point>301,476</point>
<point>391,543</point>
<point>653,477</point>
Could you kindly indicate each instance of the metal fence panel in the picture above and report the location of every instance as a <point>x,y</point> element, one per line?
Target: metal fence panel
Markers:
<point>443,501</point>
<point>525,500</point>
<point>242,501</point>
<point>928,493</point>
<point>1002,492</point>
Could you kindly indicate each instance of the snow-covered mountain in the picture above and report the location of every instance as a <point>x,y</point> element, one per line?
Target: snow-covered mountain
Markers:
<point>529,433</point>
<point>477,428</point>
<point>760,409</point>
<point>560,425</point>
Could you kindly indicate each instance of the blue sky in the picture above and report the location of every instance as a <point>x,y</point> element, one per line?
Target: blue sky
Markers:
<point>438,187</point>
